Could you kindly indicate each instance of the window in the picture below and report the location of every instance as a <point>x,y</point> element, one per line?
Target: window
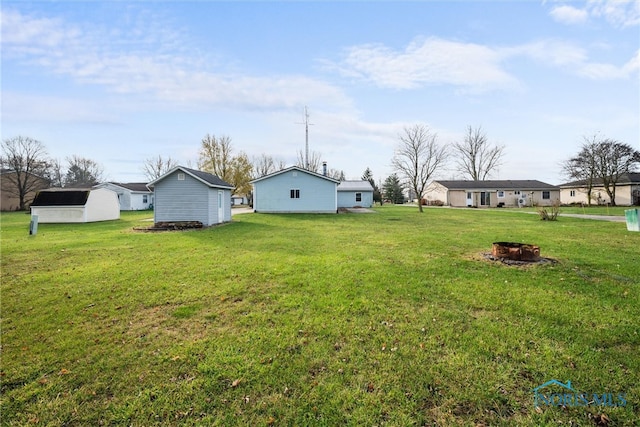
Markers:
<point>546,195</point>
<point>144,198</point>
<point>358,197</point>
<point>517,192</point>
<point>295,194</point>
<point>572,193</point>
<point>500,194</point>
<point>180,177</point>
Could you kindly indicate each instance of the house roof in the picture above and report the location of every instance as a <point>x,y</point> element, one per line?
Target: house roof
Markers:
<point>61,197</point>
<point>355,186</point>
<point>527,184</point>
<point>204,177</point>
<point>131,186</point>
<point>296,168</point>
<point>627,178</point>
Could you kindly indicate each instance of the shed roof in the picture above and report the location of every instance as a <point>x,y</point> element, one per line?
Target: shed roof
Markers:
<point>61,197</point>
<point>204,177</point>
<point>132,186</point>
<point>296,168</point>
<point>527,184</point>
<point>355,186</point>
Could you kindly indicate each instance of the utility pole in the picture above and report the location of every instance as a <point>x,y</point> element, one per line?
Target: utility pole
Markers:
<point>306,137</point>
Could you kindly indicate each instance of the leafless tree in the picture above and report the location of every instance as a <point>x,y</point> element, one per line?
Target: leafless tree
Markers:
<point>601,161</point>
<point>418,157</point>
<point>265,165</point>
<point>582,167</point>
<point>475,156</point>
<point>336,174</point>
<point>615,159</point>
<point>27,165</point>
<point>83,172</point>
<point>315,161</point>
<point>155,167</point>
<point>55,173</point>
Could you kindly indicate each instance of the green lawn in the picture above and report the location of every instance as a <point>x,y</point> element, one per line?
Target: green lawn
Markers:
<point>393,318</point>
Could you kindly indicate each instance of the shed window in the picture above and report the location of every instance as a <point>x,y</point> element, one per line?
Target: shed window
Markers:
<point>500,194</point>
<point>546,195</point>
<point>144,198</point>
<point>358,197</point>
<point>180,177</point>
<point>572,193</point>
<point>295,194</point>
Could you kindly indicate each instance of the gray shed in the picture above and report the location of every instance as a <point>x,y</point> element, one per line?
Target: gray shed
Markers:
<point>184,194</point>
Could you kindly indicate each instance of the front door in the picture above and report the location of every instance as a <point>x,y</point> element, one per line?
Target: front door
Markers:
<point>220,206</point>
<point>485,198</point>
<point>469,198</point>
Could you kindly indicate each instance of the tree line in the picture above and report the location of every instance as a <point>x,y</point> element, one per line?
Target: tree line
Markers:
<point>418,158</point>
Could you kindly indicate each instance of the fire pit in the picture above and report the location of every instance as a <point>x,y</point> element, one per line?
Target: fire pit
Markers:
<point>516,251</point>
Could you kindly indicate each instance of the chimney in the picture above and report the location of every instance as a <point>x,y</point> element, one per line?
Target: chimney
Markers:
<point>324,168</point>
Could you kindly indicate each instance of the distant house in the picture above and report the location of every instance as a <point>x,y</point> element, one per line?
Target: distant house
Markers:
<point>238,199</point>
<point>62,205</point>
<point>295,189</point>
<point>9,200</point>
<point>494,193</point>
<point>133,196</point>
<point>353,194</point>
<point>627,191</point>
<point>184,194</point>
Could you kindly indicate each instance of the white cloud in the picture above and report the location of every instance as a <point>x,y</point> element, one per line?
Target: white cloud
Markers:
<point>154,66</point>
<point>619,13</point>
<point>429,61</point>
<point>569,15</point>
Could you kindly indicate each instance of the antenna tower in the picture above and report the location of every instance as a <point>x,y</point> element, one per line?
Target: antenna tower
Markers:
<point>306,137</point>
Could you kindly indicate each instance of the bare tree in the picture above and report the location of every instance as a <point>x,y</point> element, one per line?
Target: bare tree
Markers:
<point>476,157</point>
<point>315,161</point>
<point>601,161</point>
<point>265,165</point>
<point>155,167</point>
<point>615,159</point>
<point>216,156</point>
<point>336,174</point>
<point>418,157</point>
<point>582,167</point>
<point>82,172</point>
<point>27,160</point>
<point>55,173</point>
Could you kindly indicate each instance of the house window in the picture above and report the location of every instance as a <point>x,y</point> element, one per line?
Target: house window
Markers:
<point>144,198</point>
<point>546,195</point>
<point>295,194</point>
<point>500,194</point>
<point>572,193</point>
<point>180,177</point>
<point>517,192</point>
<point>358,197</point>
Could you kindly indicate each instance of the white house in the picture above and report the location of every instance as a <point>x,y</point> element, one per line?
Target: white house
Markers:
<point>133,196</point>
<point>352,194</point>
<point>60,205</point>
<point>492,193</point>
<point>295,189</point>
<point>184,194</point>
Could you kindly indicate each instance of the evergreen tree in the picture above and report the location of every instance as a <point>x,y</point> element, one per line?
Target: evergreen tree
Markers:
<point>392,189</point>
<point>368,176</point>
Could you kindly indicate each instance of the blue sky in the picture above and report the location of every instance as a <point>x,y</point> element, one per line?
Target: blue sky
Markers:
<point>123,81</point>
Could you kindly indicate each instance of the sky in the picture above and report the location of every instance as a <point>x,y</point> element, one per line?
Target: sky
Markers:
<point>120,82</point>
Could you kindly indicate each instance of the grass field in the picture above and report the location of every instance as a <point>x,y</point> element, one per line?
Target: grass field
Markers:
<point>393,318</point>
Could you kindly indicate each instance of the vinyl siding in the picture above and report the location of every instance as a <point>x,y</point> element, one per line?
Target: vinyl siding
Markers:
<point>186,200</point>
<point>317,194</point>
<point>347,199</point>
